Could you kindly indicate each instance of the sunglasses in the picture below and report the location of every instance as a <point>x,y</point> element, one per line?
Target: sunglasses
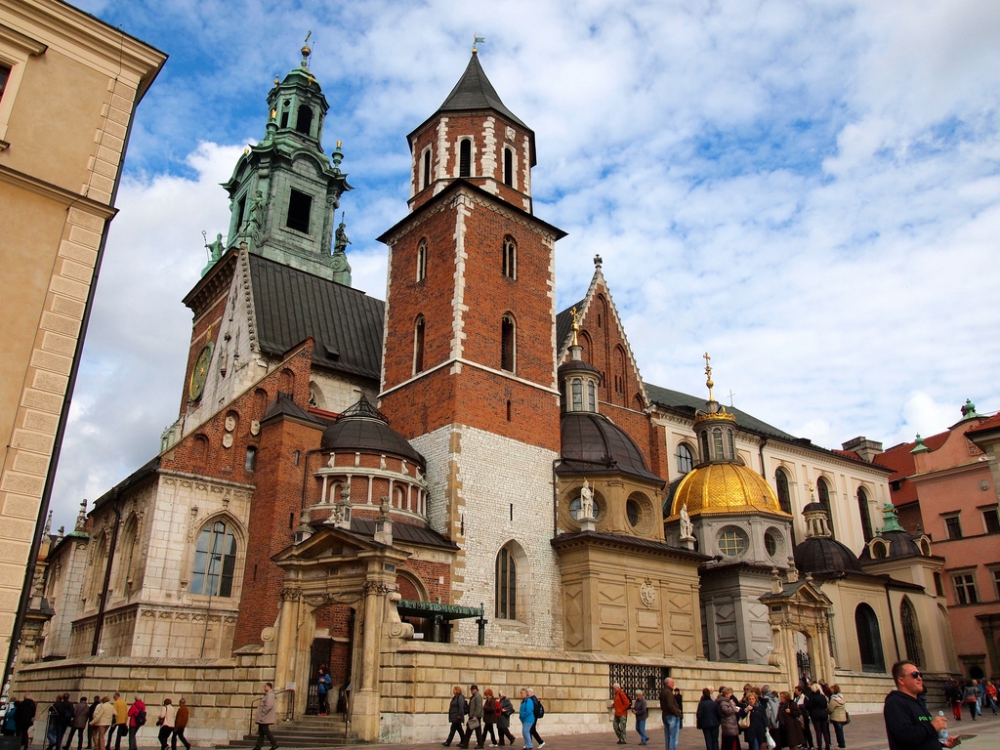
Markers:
<point>917,675</point>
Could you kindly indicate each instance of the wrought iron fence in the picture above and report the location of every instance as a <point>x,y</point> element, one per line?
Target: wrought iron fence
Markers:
<point>633,677</point>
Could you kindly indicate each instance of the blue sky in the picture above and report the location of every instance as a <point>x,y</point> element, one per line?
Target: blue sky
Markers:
<point>808,190</point>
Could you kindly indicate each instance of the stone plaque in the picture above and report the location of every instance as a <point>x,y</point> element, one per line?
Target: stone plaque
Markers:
<point>647,594</point>
<point>230,423</point>
<point>227,440</point>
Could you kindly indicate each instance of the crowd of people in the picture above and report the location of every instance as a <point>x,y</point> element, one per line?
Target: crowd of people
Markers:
<point>487,714</point>
<point>104,722</point>
<point>975,695</point>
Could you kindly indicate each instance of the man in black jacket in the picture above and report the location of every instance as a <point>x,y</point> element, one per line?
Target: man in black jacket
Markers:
<point>24,717</point>
<point>908,723</point>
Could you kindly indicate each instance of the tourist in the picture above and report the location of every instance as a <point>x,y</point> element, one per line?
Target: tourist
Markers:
<point>323,684</point>
<point>456,715</point>
<point>136,718</point>
<point>838,714</point>
<point>970,696</point>
<point>104,716</point>
<point>78,722</point>
<point>671,714</point>
<point>475,723</point>
<point>490,710</point>
<point>790,732</point>
<point>621,704</point>
<point>503,718</point>
<point>770,700</point>
<point>641,710</point>
<point>800,699</point>
<point>991,695</point>
<point>756,734</point>
<point>180,724</point>
<point>266,716</point>
<point>120,725</point>
<point>818,707</point>
<point>24,717</point>
<point>527,715</point>
<point>166,722</point>
<point>91,730</point>
<point>953,694</point>
<point>539,713</point>
<point>60,717</point>
<point>729,713</point>
<point>908,723</point>
<point>9,725</point>
<point>708,718</point>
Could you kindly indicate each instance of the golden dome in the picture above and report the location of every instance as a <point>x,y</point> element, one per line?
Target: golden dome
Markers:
<point>724,488</point>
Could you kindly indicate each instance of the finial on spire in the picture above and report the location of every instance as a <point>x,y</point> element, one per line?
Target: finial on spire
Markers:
<point>81,518</point>
<point>598,262</point>
<point>306,51</point>
<point>576,326</point>
<point>48,525</point>
<point>476,39</point>
<point>276,80</point>
<point>708,374</point>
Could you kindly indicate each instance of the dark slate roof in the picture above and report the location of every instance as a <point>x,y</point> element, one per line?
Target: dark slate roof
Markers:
<point>404,532</point>
<point>285,404</point>
<point>292,305</point>
<point>685,403</point>
<point>901,545</point>
<point>592,443</point>
<point>474,91</point>
<point>564,324</point>
<point>825,555</point>
<point>363,427</point>
<point>146,470</point>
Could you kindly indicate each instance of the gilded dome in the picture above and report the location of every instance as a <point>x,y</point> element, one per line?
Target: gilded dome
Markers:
<point>724,487</point>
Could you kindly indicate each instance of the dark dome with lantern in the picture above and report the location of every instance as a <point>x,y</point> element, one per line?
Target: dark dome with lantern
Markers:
<point>364,428</point>
<point>819,554</point>
<point>593,444</point>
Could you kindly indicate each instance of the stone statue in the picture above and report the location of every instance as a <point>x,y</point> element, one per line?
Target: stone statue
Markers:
<point>687,528</point>
<point>255,220</point>
<point>586,501</point>
<point>341,241</point>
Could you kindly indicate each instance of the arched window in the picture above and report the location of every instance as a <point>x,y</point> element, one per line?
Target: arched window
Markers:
<point>732,445</point>
<point>869,639</point>
<point>418,345</point>
<point>866,521</point>
<point>506,585</point>
<point>911,632</point>
<point>422,260</point>
<point>823,490</point>
<point>508,167</point>
<point>577,390</point>
<point>95,586</point>
<point>509,258</point>
<point>214,561</point>
<point>127,560</point>
<point>592,395</point>
<point>704,447</point>
<point>251,460</point>
<point>685,459</point>
<point>717,443</point>
<point>303,123</point>
<point>507,343</point>
<point>427,168</point>
<point>784,495</point>
<point>880,551</point>
<point>465,158</point>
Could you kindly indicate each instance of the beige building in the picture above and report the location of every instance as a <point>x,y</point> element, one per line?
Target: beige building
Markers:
<point>69,85</point>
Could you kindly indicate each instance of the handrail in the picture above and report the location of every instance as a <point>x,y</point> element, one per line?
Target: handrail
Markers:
<point>289,710</point>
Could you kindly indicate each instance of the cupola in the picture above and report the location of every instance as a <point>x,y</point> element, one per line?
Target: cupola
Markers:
<point>820,552</point>
<point>578,380</point>
<point>715,427</point>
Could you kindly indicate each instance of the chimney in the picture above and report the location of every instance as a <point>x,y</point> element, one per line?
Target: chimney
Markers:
<point>864,447</point>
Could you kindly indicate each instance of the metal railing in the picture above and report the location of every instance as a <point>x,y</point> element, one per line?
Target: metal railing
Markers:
<point>289,708</point>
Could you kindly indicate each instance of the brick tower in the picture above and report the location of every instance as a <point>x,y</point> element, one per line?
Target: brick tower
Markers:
<point>468,371</point>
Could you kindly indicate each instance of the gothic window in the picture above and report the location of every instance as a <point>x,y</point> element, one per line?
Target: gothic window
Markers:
<point>506,585</point>
<point>911,632</point>
<point>508,167</point>
<point>418,345</point>
<point>465,158</point>
<point>577,391</point>
<point>214,561</point>
<point>784,495</point>
<point>127,561</point>
<point>507,343</point>
<point>685,459</point>
<point>316,396</point>
<point>427,168</point>
<point>95,589</point>
<point>509,257</point>
<point>303,124</point>
<point>866,521</point>
<point>869,639</point>
<point>422,260</point>
<point>251,461</point>
<point>592,395</point>
<point>299,207</point>
<point>823,490</point>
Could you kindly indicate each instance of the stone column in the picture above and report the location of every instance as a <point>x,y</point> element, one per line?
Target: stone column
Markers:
<point>288,645</point>
<point>365,709</point>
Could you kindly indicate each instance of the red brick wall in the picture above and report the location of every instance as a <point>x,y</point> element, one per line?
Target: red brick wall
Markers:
<point>211,317</point>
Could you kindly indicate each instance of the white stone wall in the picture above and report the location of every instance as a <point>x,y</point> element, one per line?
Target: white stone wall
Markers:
<point>474,477</point>
<point>337,392</point>
<point>64,590</point>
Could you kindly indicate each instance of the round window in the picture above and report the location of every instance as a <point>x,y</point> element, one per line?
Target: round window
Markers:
<point>574,509</point>
<point>633,511</point>
<point>732,542</point>
<point>772,542</point>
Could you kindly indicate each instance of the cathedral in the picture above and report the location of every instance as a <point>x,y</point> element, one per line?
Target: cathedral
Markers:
<point>459,483</point>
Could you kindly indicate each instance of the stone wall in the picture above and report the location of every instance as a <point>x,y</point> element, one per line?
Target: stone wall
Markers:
<point>220,693</point>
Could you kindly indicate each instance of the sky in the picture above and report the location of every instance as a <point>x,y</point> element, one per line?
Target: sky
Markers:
<point>808,191</point>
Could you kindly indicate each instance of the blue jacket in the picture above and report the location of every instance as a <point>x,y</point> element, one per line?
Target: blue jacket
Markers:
<point>527,712</point>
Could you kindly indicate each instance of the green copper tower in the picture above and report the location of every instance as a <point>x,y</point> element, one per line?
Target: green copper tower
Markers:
<point>285,191</point>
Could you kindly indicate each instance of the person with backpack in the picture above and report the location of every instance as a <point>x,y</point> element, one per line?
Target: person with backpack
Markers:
<point>136,719</point>
<point>527,715</point>
<point>503,718</point>
<point>323,684</point>
<point>78,723</point>
<point>622,704</point>
<point>539,711</point>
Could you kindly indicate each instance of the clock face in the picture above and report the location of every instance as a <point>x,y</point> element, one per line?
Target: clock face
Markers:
<point>200,373</point>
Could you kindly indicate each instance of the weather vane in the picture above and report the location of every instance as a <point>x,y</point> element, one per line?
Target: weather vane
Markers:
<point>476,39</point>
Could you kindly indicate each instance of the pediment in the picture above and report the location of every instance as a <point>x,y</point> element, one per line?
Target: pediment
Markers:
<point>327,543</point>
<point>800,594</point>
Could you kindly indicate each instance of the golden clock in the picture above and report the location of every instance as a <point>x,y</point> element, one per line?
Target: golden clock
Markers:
<point>200,372</point>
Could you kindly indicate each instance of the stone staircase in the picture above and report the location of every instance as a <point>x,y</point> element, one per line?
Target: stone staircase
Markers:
<point>306,731</point>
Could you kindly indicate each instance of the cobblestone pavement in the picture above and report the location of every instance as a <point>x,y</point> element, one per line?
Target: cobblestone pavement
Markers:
<point>865,732</point>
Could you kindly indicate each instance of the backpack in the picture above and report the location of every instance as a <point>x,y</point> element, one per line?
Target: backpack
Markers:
<point>539,708</point>
<point>140,718</point>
